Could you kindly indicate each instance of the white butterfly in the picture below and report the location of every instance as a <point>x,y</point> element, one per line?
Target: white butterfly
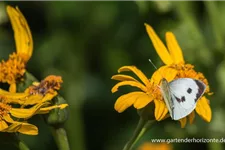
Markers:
<point>181,95</point>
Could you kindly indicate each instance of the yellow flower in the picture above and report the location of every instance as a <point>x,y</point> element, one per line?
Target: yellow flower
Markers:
<point>48,85</point>
<point>175,67</point>
<point>13,69</point>
<point>172,56</point>
<point>155,146</point>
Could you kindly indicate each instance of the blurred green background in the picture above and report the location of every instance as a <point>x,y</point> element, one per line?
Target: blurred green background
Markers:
<point>86,42</point>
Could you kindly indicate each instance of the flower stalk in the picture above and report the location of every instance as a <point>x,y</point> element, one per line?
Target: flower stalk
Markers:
<point>143,126</point>
<point>60,136</point>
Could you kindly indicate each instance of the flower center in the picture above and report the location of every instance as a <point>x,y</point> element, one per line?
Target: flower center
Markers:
<point>187,71</point>
<point>4,108</point>
<point>184,71</point>
<point>48,85</point>
<point>12,69</point>
<point>154,91</point>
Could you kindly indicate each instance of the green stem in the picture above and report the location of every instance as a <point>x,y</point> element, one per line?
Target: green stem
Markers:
<point>61,138</point>
<point>22,146</point>
<point>142,127</point>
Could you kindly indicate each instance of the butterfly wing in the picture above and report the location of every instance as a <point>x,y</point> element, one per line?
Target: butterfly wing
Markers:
<point>165,90</point>
<point>185,92</point>
<point>179,112</point>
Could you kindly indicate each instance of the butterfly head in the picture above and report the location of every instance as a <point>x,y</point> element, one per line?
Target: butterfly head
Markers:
<point>163,82</point>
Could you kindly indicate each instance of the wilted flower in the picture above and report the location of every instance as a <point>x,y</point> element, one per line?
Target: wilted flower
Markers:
<point>35,100</point>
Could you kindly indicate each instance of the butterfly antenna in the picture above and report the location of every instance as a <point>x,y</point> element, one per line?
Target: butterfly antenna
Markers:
<point>152,64</point>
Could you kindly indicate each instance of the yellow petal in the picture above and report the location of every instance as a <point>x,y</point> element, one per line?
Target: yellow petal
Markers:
<point>29,129</point>
<point>3,125</point>
<point>164,72</point>
<point>8,118</point>
<point>136,71</point>
<point>47,109</point>
<point>131,83</point>
<point>22,127</point>
<point>203,109</point>
<point>169,73</point>
<point>121,77</point>
<point>10,95</point>
<point>26,112</point>
<point>159,46</point>
<point>32,99</point>
<point>164,114</point>
<point>125,101</point>
<point>18,98</point>
<point>183,122</point>
<point>13,127</point>
<point>22,33</point>
<point>174,48</point>
<point>142,100</point>
<point>191,117</point>
<point>160,110</point>
<point>12,88</point>
<point>23,98</point>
